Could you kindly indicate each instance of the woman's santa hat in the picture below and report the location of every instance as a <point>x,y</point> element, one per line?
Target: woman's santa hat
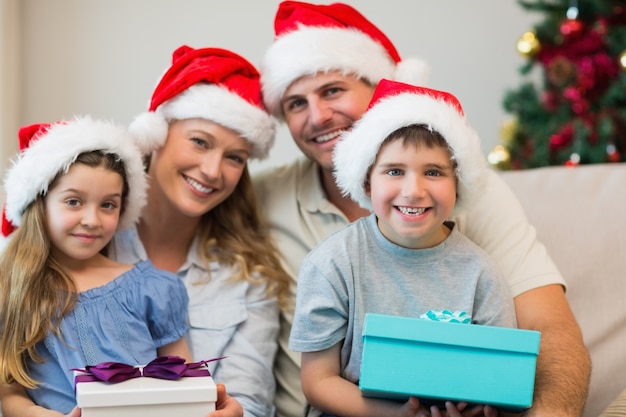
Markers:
<point>47,150</point>
<point>396,105</point>
<point>212,84</point>
<point>312,38</point>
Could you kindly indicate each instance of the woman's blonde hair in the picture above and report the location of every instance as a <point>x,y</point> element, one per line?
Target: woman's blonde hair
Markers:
<point>35,290</point>
<point>235,233</point>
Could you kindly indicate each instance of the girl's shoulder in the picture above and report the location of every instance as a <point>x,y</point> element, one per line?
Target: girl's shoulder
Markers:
<point>142,278</point>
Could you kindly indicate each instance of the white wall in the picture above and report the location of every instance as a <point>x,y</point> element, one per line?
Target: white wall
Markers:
<point>103,57</point>
<point>9,80</point>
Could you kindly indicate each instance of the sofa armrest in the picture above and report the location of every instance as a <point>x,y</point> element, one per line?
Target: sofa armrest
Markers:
<point>617,408</point>
<point>580,215</point>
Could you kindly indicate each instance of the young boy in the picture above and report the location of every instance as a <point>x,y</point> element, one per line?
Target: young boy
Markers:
<point>412,159</point>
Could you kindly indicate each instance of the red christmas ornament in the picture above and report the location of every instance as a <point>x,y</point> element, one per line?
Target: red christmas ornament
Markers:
<point>550,100</point>
<point>571,28</point>
<point>573,161</point>
<point>612,154</point>
<point>562,138</point>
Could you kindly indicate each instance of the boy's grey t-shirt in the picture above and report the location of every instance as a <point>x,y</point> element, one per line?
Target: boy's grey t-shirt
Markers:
<point>357,271</point>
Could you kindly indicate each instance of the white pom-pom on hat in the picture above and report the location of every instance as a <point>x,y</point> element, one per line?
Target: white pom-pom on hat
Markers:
<point>412,71</point>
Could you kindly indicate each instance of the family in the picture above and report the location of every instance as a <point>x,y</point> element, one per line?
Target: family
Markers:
<point>160,235</point>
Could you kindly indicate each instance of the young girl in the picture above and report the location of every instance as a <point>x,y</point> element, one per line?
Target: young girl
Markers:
<point>63,303</point>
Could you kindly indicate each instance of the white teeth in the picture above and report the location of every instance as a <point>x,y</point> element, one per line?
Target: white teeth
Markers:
<point>195,184</point>
<point>329,136</point>
<point>412,211</point>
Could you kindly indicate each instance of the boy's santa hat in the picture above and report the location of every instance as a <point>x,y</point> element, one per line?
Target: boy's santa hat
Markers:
<point>311,38</point>
<point>396,105</point>
<point>47,150</point>
<point>212,84</point>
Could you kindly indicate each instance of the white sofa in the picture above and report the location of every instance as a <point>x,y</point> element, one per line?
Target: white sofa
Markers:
<point>580,215</point>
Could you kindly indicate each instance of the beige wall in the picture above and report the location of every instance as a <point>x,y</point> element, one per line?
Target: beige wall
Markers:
<point>103,57</point>
<point>9,80</point>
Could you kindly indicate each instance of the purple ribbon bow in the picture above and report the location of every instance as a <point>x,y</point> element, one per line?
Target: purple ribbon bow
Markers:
<point>163,367</point>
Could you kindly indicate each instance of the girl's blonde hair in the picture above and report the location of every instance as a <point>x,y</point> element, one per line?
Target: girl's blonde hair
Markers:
<point>35,290</point>
<point>235,233</point>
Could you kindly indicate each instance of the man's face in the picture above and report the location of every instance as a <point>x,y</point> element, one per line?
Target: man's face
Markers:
<point>319,108</point>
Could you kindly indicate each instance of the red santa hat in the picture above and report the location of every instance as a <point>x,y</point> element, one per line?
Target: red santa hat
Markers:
<point>311,38</point>
<point>49,149</point>
<point>212,84</point>
<point>396,105</point>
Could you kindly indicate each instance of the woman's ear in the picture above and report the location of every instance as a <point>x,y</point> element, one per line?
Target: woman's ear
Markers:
<point>367,188</point>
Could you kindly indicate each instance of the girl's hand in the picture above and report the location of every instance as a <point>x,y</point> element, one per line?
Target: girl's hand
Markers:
<point>74,413</point>
<point>226,406</point>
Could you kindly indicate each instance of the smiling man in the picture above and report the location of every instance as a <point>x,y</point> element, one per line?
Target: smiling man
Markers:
<point>318,76</point>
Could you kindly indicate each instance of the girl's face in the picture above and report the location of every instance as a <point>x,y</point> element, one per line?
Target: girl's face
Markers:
<point>413,191</point>
<point>199,166</point>
<point>82,211</point>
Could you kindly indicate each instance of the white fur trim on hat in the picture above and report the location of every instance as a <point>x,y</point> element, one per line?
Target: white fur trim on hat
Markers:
<point>54,152</point>
<point>210,102</point>
<point>309,50</point>
<point>357,150</point>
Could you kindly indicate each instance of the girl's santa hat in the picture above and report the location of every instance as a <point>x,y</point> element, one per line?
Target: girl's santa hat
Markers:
<point>396,105</point>
<point>311,38</point>
<point>49,149</point>
<point>212,84</point>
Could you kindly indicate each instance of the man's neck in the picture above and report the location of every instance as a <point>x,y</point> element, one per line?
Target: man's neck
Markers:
<point>345,204</point>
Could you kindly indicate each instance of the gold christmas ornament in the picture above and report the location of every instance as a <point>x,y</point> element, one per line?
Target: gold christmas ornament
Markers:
<point>622,60</point>
<point>499,158</point>
<point>508,130</point>
<point>561,71</point>
<point>528,45</point>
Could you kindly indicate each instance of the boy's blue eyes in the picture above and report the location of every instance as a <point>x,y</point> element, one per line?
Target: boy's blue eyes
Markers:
<point>429,173</point>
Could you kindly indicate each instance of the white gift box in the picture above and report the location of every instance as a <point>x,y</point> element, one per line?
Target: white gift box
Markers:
<point>148,397</point>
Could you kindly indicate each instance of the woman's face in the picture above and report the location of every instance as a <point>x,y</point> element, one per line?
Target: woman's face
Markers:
<point>199,166</point>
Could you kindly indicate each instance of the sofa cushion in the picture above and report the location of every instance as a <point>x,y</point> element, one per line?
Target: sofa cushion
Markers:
<point>580,215</point>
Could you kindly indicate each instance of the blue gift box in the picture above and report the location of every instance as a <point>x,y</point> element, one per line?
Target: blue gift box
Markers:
<point>437,361</point>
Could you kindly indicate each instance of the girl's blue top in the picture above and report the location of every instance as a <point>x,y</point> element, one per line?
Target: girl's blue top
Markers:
<point>124,321</point>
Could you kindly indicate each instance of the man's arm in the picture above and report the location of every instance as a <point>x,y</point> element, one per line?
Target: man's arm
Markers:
<point>563,364</point>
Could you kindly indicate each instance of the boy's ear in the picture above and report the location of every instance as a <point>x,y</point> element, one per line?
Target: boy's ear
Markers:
<point>367,188</point>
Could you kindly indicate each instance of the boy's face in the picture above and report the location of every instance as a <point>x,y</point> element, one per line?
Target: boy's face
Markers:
<point>413,191</point>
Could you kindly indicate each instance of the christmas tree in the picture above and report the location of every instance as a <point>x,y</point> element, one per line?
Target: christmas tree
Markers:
<point>578,113</point>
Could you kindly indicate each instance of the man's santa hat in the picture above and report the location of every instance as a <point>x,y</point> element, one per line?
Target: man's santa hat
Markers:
<point>47,150</point>
<point>396,105</point>
<point>312,38</point>
<point>212,84</point>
